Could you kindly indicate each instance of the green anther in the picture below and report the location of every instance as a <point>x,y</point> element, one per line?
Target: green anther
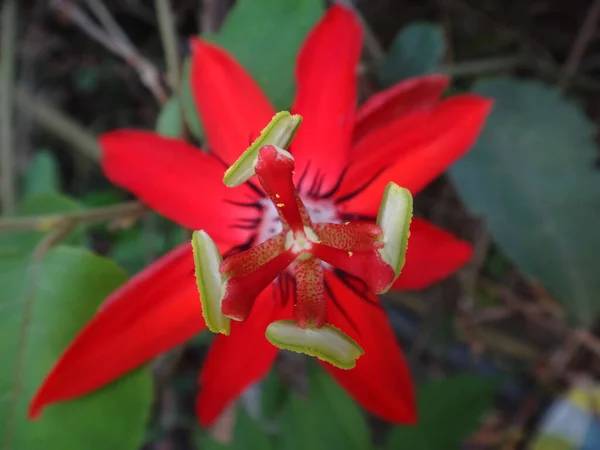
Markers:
<point>280,132</point>
<point>326,343</point>
<point>207,260</point>
<point>395,214</point>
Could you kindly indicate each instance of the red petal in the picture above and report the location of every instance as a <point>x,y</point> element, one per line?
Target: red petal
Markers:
<point>175,179</point>
<point>236,361</point>
<point>326,93</point>
<point>432,255</point>
<point>381,380</point>
<point>401,99</point>
<point>156,310</point>
<point>232,107</point>
<point>413,150</point>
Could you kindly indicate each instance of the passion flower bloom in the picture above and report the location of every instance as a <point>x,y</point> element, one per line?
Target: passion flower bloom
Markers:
<point>344,158</point>
<point>374,253</point>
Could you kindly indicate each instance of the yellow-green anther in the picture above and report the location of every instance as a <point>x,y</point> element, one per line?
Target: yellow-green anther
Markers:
<point>395,214</point>
<point>207,260</point>
<point>280,132</point>
<point>326,343</point>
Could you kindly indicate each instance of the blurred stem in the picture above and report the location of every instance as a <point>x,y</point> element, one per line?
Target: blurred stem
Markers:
<point>112,37</point>
<point>7,83</point>
<point>108,22</point>
<point>59,124</point>
<point>51,221</point>
<point>482,66</point>
<point>584,37</point>
<point>166,24</point>
<point>372,46</point>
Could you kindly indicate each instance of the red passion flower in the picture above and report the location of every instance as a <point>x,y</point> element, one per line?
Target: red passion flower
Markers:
<point>344,158</point>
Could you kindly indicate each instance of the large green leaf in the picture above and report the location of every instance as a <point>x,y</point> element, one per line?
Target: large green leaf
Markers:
<point>264,36</point>
<point>449,410</point>
<point>274,394</point>
<point>416,50</point>
<point>333,418</point>
<point>531,176</point>
<point>43,305</point>
<point>248,435</point>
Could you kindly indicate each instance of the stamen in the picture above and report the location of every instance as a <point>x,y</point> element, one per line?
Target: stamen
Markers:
<point>240,291</point>
<point>367,265</point>
<point>274,171</point>
<point>252,259</point>
<point>326,343</point>
<point>310,307</point>
<point>351,236</point>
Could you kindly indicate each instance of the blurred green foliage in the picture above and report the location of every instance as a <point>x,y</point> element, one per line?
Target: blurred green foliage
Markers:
<point>417,49</point>
<point>531,177</point>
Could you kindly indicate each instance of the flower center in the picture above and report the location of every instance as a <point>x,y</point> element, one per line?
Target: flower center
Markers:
<point>301,242</point>
<point>320,211</point>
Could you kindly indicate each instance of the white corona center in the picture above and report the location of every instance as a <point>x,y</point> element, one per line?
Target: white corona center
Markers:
<point>320,211</point>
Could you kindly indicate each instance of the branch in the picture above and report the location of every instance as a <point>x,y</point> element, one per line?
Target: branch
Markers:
<point>372,46</point>
<point>585,35</point>
<point>49,222</point>
<point>166,24</point>
<point>59,124</point>
<point>115,41</point>
<point>7,82</point>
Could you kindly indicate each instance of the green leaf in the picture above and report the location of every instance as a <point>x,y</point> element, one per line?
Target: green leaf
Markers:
<point>274,394</point>
<point>188,107</point>
<point>44,304</point>
<point>103,197</point>
<point>43,174</point>
<point>133,246</point>
<point>333,419</point>
<point>208,443</point>
<point>170,120</point>
<point>531,176</point>
<point>277,28</point>
<point>449,410</point>
<point>248,435</point>
<point>416,50</point>
<point>40,204</point>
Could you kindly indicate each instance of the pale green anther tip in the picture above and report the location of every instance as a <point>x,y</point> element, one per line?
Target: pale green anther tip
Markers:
<point>279,132</point>
<point>207,260</point>
<point>394,217</point>
<point>326,343</point>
